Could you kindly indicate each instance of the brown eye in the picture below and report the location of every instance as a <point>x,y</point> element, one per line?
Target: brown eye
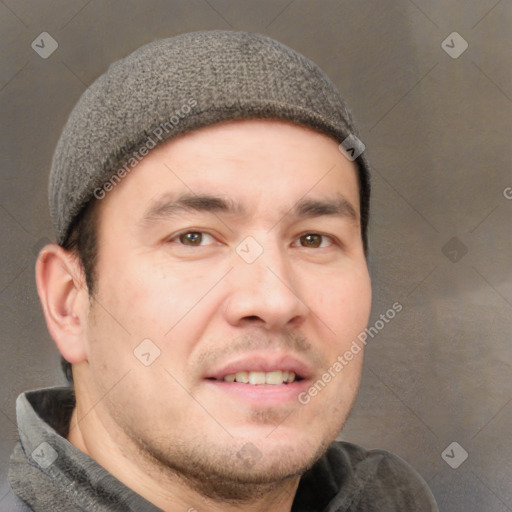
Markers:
<point>191,238</point>
<point>311,240</point>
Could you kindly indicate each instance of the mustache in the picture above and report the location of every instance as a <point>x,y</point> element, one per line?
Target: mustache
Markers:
<point>291,342</point>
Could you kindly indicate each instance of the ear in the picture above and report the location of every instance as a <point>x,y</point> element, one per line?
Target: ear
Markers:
<point>65,299</point>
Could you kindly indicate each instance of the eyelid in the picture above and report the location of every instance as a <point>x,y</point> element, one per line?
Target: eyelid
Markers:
<point>334,240</point>
<point>184,232</point>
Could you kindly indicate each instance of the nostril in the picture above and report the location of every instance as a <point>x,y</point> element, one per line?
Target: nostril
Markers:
<point>252,317</point>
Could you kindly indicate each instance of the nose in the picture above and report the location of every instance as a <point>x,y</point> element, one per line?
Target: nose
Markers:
<point>264,293</point>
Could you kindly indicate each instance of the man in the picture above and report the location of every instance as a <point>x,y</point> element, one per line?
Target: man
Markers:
<point>210,268</point>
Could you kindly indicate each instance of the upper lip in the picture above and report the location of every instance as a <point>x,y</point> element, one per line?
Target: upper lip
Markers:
<point>262,362</point>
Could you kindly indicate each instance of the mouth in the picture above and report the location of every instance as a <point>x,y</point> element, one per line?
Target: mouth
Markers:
<point>262,368</point>
<point>259,378</point>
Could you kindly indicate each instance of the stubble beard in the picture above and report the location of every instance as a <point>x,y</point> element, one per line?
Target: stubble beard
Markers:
<point>225,474</point>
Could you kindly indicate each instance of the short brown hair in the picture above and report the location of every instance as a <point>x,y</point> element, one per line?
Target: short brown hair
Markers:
<point>82,241</point>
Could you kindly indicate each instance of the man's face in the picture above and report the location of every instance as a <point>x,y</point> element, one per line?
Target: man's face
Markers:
<point>274,284</point>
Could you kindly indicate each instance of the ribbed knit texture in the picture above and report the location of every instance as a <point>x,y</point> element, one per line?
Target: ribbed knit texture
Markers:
<point>172,86</point>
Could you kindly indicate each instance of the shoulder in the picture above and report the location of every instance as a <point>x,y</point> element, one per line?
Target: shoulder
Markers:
<point>9,502</point>
<point>383,480</point>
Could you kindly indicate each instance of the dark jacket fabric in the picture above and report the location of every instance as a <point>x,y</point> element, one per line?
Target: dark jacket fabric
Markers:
<point>48,474</point>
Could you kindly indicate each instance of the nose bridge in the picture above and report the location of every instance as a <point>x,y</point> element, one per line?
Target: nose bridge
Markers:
<point>265,260</point>
<point>263,283</point>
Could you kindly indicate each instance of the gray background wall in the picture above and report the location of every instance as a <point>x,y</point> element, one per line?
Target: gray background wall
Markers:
<point>437,130</point>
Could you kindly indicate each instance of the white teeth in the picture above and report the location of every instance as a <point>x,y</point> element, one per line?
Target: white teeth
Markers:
<point>242,377</point>
<point>274,378</point>
<point>291,377</point>
<point>256,377</point>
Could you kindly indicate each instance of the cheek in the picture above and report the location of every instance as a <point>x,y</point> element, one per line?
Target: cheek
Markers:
<point>141,298</point>
<point>152,300</point>
<point>343,312</point>
<point>343,302</point>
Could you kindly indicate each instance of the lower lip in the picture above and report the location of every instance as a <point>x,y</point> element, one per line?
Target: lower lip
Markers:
<point>268,395</point>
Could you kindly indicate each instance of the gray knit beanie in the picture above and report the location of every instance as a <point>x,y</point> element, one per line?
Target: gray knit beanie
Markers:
<point>172,86</point>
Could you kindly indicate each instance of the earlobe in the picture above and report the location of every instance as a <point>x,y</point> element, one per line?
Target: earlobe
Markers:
<point>65,300</point>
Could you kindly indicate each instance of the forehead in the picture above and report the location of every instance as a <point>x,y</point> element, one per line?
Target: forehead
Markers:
<point>259,164</point>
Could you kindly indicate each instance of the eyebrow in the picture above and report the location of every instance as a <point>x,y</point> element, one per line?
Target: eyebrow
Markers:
<point>169,207</point>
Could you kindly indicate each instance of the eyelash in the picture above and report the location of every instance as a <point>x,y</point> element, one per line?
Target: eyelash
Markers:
<point>333,240</point>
